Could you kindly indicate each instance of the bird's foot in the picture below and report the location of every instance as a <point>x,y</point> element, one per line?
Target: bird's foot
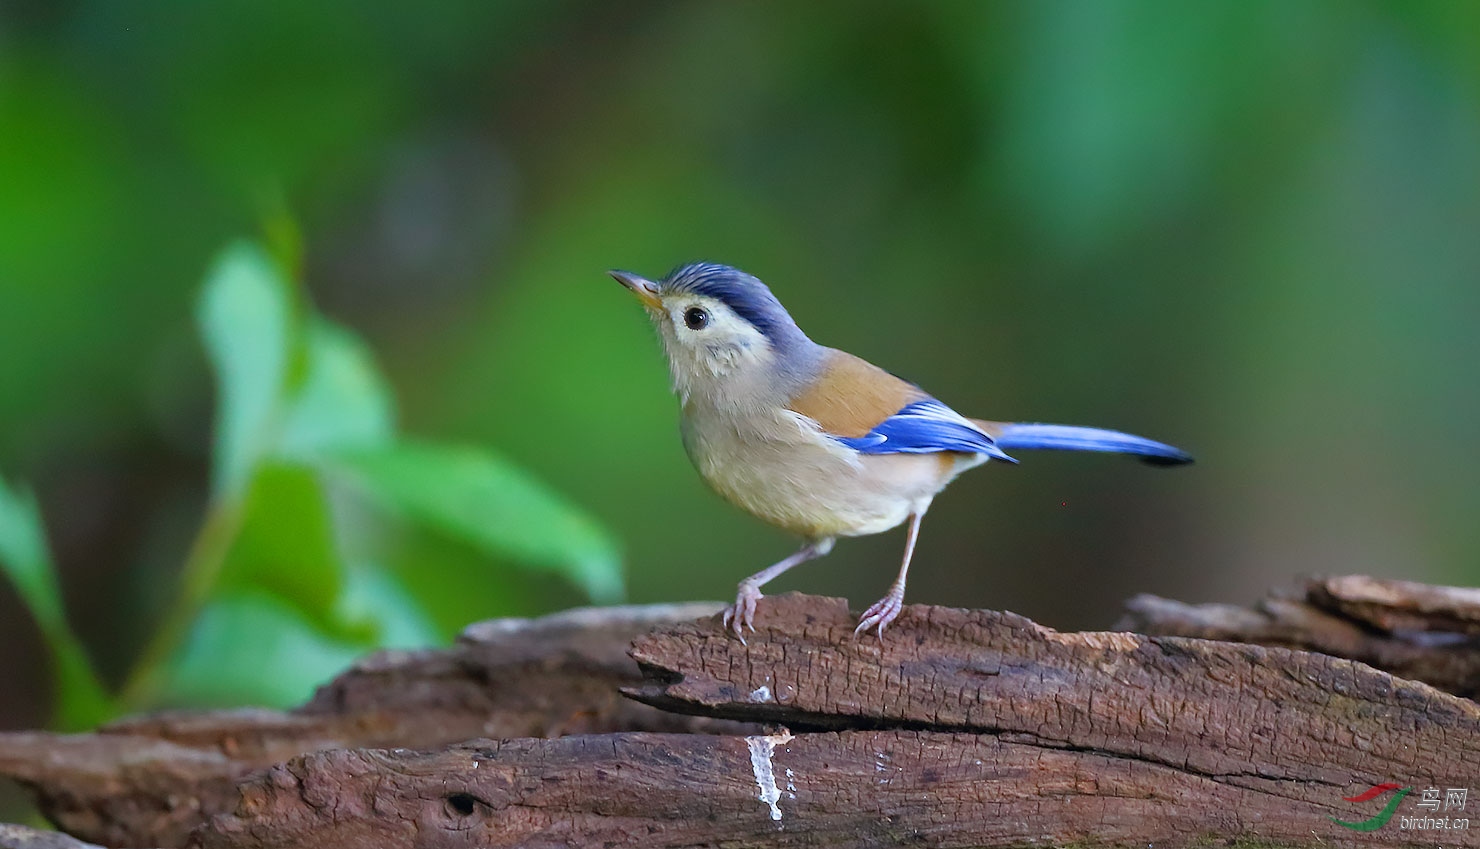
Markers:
<point>741,614</point>
<point>884,611</point>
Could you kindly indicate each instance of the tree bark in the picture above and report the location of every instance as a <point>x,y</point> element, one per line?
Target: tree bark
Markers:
<point>20,837</point>
<point>958,728</point>
<point>151,780</point>
<point>1416,631</point>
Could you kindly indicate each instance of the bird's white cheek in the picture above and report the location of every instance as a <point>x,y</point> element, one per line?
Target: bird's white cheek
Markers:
<point>723,375</point>
<point>721,359</point>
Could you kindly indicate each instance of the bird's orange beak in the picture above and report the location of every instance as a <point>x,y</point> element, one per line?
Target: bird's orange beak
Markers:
<point>645,289</point>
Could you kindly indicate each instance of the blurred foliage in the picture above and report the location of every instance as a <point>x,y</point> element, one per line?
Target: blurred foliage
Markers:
<point>79,697</point>
<point>1241,226</point>
<point>271,604</point>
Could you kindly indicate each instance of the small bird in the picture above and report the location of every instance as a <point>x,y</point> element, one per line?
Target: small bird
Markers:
<point>815,440</point>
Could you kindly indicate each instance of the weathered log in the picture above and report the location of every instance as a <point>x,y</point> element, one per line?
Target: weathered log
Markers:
<point>960,728</point>
<point>849,788</point>
<point>20,837</point>
<point>1417,631</point>
<point>149,781</point>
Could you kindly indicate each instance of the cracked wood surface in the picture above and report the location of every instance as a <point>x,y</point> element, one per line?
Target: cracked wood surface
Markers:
<point>1418,631</point>
<point>1259,717</point>
<point>959,728</point>
<point>848,788</point>
<point>150,780</point>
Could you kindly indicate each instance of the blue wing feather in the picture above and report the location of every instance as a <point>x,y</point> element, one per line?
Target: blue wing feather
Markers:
<point>925,427</point>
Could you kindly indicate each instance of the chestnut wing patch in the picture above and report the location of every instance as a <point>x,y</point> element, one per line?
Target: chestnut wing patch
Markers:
<point>851,396</point>
<point>874,412</point>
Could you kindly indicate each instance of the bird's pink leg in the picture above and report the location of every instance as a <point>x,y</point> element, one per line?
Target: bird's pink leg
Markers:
<point>741,614</point>
<point>887,608</point>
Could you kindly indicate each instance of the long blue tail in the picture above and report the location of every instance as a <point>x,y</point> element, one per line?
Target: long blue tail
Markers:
<point>1071,438</point>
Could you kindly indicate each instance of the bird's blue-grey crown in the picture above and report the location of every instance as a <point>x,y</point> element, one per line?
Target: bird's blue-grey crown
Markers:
<point>744,294</point>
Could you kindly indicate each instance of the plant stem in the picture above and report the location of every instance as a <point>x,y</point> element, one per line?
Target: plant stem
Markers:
<point>202,568</point>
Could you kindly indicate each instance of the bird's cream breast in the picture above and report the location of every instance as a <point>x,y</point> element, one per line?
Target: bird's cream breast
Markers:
<point>780,467</point>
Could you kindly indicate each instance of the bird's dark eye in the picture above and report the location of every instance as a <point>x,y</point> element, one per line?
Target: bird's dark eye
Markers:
<point>697,318</point>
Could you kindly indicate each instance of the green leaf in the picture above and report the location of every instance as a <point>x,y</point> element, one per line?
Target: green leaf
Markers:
<point>343,402</point>
<point>455,583</point>
<point>24,555</point>
<point>375,600</point>
<point>286,544</point>
<point>245,315</point>
<point>492,505</point>
<point>249,647</point>
<point>81,701</point>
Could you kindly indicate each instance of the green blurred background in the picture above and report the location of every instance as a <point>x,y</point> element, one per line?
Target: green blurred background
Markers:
<point>1247,228</point>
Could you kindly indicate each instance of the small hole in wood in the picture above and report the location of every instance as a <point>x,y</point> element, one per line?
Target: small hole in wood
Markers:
<point>462,804</point>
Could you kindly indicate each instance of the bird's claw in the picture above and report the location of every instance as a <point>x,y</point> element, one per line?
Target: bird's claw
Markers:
<point>883,612</point>
<point>741,614</point>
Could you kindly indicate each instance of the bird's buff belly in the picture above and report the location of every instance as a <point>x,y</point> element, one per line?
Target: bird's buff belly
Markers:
<point>810,485</point>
